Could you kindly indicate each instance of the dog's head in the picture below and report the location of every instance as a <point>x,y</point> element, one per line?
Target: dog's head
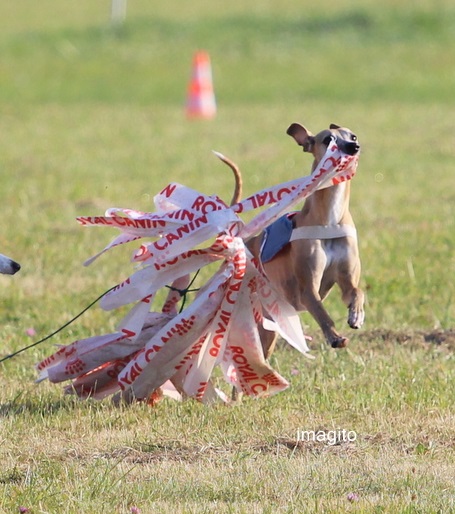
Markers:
<point>317,144</point>
<point>8,266</point>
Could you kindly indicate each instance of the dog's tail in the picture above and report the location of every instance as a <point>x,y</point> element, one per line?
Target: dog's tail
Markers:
<point>237,176</point>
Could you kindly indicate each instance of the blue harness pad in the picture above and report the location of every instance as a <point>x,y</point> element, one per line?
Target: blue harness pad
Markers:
<point>276,237</point>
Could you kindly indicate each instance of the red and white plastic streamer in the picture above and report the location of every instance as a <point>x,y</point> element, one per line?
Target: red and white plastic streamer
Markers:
<point>177,352</point>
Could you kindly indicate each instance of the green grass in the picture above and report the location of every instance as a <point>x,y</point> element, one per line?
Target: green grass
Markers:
<point>93,117</point>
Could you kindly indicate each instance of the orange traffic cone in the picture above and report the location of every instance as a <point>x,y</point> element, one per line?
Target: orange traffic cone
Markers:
<point>201,98</point>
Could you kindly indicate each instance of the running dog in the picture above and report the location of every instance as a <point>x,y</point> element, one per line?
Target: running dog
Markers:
<point>322,250</point>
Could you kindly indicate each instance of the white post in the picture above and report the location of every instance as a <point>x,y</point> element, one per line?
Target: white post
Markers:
<point>118,11</point>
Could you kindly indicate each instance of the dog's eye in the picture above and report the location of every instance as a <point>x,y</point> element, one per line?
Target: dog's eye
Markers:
<point>354,137</point>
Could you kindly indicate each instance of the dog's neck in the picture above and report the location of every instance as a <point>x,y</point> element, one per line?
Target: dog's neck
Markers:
<point>329,206</point>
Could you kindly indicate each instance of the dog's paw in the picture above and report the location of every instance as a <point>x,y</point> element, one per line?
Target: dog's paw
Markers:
<point>356,317</point>
<point>339,342</point>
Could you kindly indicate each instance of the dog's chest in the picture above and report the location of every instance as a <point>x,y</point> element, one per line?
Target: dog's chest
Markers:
<point>336,205</point>
<point>334,250</point>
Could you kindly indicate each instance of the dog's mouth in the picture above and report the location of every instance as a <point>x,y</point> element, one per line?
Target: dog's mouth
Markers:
<point>348,147</point>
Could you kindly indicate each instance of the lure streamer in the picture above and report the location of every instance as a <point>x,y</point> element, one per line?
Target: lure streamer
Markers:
<point>161,349</point>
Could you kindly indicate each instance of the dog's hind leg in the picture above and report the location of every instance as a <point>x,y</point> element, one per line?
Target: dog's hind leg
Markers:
<point>268,341</point>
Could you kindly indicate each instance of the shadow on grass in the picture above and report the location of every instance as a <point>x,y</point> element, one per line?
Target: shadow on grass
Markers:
<point>416,337</point>
<point>35,406</point>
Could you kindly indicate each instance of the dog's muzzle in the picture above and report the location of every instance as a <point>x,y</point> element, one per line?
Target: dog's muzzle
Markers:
<point>348,147</point>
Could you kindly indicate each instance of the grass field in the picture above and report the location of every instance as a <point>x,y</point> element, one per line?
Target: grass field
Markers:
<point>92,116</point>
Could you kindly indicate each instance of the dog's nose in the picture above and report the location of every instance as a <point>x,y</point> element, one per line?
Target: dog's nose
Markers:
<point>15,266</point>
<point>349,147</point>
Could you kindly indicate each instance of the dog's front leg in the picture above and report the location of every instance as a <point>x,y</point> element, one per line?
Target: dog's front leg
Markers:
<point>313,304</point>
<point>354,298</point>
<point>348,278</point>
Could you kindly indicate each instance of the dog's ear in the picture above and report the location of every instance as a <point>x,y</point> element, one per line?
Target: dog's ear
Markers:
<point>333,126</point>
<point>303,136</point>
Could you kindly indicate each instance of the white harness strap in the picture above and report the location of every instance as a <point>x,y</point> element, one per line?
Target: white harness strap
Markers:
<point>324,232</point>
